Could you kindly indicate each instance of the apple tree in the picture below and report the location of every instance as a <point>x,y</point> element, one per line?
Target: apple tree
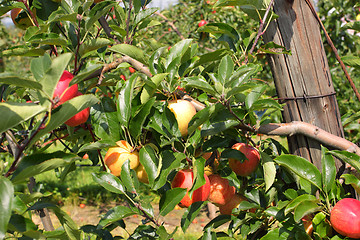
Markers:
<point>219,68</point>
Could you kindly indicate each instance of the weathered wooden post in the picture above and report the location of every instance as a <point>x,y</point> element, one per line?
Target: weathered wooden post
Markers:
<point>303,79</point>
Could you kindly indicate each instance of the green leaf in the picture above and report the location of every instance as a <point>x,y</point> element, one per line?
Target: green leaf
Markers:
<point>137,123</point>
<point>226,68</point>
<point>353,180</point>
<point>200,83</point>
<point>170,199</point>
<point>101,144</point>
<point>352,61</point>
<point>150,87</point>
<point>262,104</point>
<point>126,178</point>
<point>124,101</point>
<point>217,127</point>
<point>218,221</point>
<point>269,170</point>
<point>328,170</point>
<point>305,208</point>
<point>177,51</point>
<point>131,51</point>
<point>23,52</point>
<point>115,214</point>
<point>168,161</point>
<point>254,95</point>
<point>199,178</point>
<point>93,44</point>
<point>35,164</point>
<point>145,13</point>
<point>350,158</point>
<point>105,120</point>
<point>100,9</point>
<point>25,226</point>
<point>301,167</point>
<point>6,198</point>
<point>15,113</point>
<point>211,57</point>
<point>109,182</point>
<point>48,39</point>
<point>150,162</point>
<point>16,80</point>
<point>51,75</point>
<point>298,200</point>
<point>190,214</point>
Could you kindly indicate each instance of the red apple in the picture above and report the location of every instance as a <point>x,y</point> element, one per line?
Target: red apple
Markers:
<point>62,90</point>
<point>345,217</point>
<point>202,23</point>
<point>220,190</point>
<point>230,205</point>
<point>184,179</point>
<point>123,77</point>
<point>249,164</point>
<point>80,117</point>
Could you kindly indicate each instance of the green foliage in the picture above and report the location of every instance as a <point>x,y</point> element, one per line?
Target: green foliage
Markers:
<point>211,64</point>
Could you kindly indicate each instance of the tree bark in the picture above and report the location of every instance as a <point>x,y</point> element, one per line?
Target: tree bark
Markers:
<point>302,79</point>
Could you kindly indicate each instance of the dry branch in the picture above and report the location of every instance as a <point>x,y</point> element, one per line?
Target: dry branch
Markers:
<point>171,25</point>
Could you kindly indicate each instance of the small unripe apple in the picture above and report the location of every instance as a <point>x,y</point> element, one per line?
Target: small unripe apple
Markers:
<point>230,205</point>
<point>132,70</point>
<point>345,217</point>
<point>183,111</point>
<point>184,179</point>
<point>79,118</point>
<point>116,156</point>
<point>221,191</point>
<point>62,90</point>
<point>202,23</point>
<point>141,174</point>
<point>249,164</point>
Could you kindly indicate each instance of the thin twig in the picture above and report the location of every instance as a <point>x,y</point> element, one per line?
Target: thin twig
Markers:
<point>171,25</point>
<point>260,32</point>
<point>128,22</point>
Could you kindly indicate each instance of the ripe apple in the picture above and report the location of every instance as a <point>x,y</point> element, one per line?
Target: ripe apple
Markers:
<point>251,162</point>
<point>116,156</point>
<point>141,174</point>
<point>202,23</point>
<point>62,90</point>
<point>345,217</point>
<point>220,190</point>
<point>184,179</point>
<point>79,118</point>
<point>183,111</point>
<point>132,70</point>
<point>230,205</point>
<point>123,77</point>
<point>20,18</point>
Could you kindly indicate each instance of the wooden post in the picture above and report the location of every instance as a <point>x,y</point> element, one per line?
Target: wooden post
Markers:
<point>303,79</point>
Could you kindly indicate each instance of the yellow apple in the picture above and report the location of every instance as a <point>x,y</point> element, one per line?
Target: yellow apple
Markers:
<point>141,174</point>
<point>183,111</point>
<point>358,17</point>
<point>116,156</point>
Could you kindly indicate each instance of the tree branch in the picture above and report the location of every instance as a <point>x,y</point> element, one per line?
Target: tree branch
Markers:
<point>311,131</point>
<point>171,25</point>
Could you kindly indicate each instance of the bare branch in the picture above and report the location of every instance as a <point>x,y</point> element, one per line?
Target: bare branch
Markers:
<point>311,131</point>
